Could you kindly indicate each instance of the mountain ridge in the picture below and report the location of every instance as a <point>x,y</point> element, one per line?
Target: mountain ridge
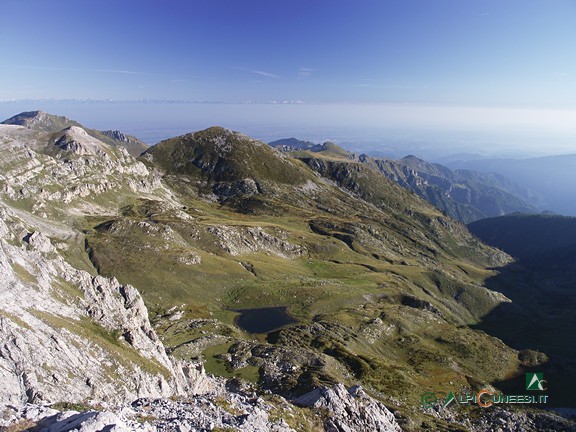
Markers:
<point>463,195</point>
<point>549,178</point>
<point>45,122</point>
<point>385,289</point>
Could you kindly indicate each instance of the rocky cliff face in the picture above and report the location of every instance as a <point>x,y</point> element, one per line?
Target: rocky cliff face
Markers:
<point>132,144</point>
<point>351,409</point>
<point>69,336</point>
<point>93,242</point>
<point>84,341</point>
<point>464,195</point>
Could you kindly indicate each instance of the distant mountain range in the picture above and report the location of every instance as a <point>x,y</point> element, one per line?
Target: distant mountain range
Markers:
<point>550,179</point>
<point>123,279</point>
<point>464,195</point>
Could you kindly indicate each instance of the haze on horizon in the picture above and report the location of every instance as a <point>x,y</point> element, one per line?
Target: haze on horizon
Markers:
<point>500,70</point>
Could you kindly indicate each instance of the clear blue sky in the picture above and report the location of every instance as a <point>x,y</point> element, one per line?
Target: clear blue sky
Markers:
<point>479,53</point>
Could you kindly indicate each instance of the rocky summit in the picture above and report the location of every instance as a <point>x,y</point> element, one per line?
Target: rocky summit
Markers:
<point>126,269</point>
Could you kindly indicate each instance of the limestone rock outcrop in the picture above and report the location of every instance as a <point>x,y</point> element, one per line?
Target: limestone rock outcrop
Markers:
<point>350,410</point>
<point>66,335</point>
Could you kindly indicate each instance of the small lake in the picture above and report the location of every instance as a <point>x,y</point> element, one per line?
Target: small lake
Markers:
<point>263,320</point>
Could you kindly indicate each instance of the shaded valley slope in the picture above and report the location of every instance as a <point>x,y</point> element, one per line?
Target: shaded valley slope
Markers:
<point>148,260</point>
<point>541,287</point>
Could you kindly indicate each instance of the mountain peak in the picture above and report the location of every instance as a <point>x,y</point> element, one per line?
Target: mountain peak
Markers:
<point>411,159</point>
<point>42,121</point>
<point>220,137</point>
<point>416,163</point>
<point>77,140</point>
<point>331,147</point>
<point>45,122</point>
<point>221,155</point>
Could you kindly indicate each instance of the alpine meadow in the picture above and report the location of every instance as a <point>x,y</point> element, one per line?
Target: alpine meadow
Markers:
<point>251,215</point>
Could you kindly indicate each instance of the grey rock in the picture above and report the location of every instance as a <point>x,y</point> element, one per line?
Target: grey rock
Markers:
<point>68,336</point>
<point>39,242</point>
<point>350,409</point>
<point>71,170</point>
<point>238,240</point>
<point>521,421</point>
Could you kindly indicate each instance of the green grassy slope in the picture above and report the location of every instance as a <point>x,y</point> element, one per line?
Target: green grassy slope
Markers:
<point>386,288</point>
<point>383,285</point>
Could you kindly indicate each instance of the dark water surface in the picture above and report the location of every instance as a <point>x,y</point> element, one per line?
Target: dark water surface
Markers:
<point>263,320</point>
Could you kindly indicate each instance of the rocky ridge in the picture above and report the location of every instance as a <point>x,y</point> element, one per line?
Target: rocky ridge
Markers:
<point>99,352</point>
<point>41,121</point>
<point>351,410</point>
<point>374,273</point>
<point>462,194</point>
<point>87,330</point>
<point>360,411</point>
<point>69,167</point>
<point>44,122</point>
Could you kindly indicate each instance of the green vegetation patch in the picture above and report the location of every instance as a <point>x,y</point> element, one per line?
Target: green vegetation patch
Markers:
<point>24,274</point>
<point>17,320</point>
<point>215,364</point>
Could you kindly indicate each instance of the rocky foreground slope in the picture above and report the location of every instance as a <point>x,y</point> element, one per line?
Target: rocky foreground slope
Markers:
<point>122,279</point>
<point>85,341</point>
<point>69,336</point>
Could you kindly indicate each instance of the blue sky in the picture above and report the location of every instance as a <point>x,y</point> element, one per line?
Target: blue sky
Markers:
<point>503,53</point>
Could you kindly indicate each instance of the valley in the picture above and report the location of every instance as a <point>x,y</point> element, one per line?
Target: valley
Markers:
<point>383,290</point>
<point>549,178</point>
<point>540,285</point>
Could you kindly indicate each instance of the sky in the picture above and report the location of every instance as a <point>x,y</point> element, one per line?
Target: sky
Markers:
<point>488,52</point>
<point>503,56</point>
